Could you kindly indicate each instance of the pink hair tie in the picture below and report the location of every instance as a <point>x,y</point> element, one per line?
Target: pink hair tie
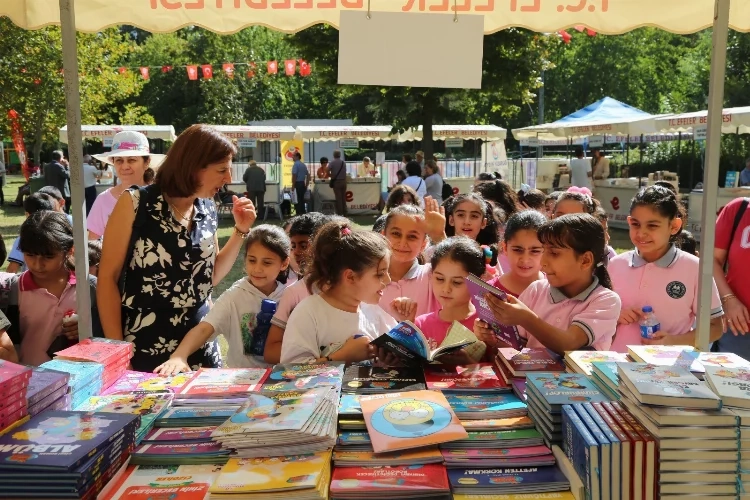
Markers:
<point>345,231</point>
<point>580,190</point>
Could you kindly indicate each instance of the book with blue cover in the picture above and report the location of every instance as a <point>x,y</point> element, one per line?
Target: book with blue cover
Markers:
<point>479,406</point>
<point>349,405</point>
<point>508,480</point>
<point>616,455</point>
<point>299,377</point>
<point>82,374</point>
<point>582,449</point>
<point>195,416</point>
<point>407,342</point>
<point>604,467</point>
<point>557,389</point>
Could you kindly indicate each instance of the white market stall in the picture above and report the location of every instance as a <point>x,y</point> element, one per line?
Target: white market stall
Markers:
<point>362,193</point>
<point>247,136</point>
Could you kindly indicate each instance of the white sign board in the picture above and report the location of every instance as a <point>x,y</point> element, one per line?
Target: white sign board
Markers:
<point>380,158</point>
<point>596,141</point>
<point>107,142</point>
<point>494,158</point>
<point>366,57</point>
<point>530,173</point>
<point>348,143</point>
<point>532,142</point>
<point>700,132</point>
<point>454,142</point>
<point>247,143</point>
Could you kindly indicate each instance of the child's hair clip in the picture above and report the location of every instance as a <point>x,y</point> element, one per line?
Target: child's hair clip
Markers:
<point>345,231</point>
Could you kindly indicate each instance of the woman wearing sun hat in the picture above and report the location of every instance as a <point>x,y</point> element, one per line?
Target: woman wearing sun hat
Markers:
<point>130,157</point>
<point>162,239</point>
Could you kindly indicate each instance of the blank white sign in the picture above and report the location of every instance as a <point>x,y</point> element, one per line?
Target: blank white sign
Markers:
<point>405,49</point>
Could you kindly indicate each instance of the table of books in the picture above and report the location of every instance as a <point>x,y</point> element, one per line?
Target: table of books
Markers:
<point>658,422</point>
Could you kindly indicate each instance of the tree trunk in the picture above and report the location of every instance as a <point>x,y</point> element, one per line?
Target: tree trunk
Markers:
<point>38,139</point>
<point>428,116</point>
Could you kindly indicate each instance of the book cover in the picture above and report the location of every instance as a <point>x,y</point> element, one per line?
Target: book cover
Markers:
<point>61,439</point>
<point>96,352</point>
<point>349,405</point>
<point>254,475</point>
<point>666,386</point>
<point>224,382</point>
<point>180,434</point>
<point>419,456</point>
<point>581,361</point>
<point>662,355</point>
<point>525,361</point>
<point>188,413</point>
<point>407,342</point>
<point>582,449</point>
<point>608,488</point>
<point>10,373</point>
<point>370,379</point>
<point>607,372</point>
<point>430,479</point>
<point>478,377</point>
<point>732,385</point>
<point>208,448</point>
<point>564,388</point>
<point>479,403</point>
<point>522,452</point>
<point>350,438</point>
<point>406,420</point>
<point>81,373</point>
<point>723,360</point>
<point>295,377</point>
<point>178,482</point>
<point>131,381</point>
<point>44,382</point>
<point>478,289</point>
<point>514,478</point>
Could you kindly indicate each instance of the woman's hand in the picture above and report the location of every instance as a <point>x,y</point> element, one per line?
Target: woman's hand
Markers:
<point>244,213</point>
<point>405,308</point>
<point>173,366</point>
<point>737,316</point>
<point>510,312</point>
<point>629,316</point>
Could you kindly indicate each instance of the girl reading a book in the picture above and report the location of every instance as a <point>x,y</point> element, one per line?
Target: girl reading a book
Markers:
<point>39,301</point>
<point>524,251</point>
<point>658,274</point>
<point>575,306</point>
<point>453,260</point>
<point>235,314</point>
<point>350,268</point>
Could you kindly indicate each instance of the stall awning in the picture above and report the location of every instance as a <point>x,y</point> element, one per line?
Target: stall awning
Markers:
<point>732,119</point>
<point>257,132</point>
<point>336,133</point>
<point>101,132</point>
<point>467,132</point>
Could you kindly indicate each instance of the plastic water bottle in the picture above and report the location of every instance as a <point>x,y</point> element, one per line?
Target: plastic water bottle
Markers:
<point>649,324</point>
<point>260,333</point>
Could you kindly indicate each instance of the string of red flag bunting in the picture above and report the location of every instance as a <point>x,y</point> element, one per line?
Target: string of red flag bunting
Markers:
<point>567,37</point>
<point>206,71</point>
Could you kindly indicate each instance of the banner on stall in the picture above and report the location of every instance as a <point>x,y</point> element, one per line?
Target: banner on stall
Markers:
<point>348,143</point>
<point>288,148</point>
<point>454,142</point>
<point>247,143</point>
<point>362,199</point>
<point>494,158</point>
<point>596,141</point>
<point>529,173</point>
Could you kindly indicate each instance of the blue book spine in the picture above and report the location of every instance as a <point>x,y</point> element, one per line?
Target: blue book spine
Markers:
<point>584,452</point>
<point>615,451</point>
<point>604,465</point>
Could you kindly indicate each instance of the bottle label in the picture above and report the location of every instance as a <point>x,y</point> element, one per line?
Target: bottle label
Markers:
<point>648,331</point>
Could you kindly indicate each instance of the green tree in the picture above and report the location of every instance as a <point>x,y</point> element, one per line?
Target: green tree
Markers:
<point>32,82</point>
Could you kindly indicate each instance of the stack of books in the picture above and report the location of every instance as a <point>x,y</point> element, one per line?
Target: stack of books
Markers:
<point>397,482</point>
<point>14,381</point>
<point>85,378</point>
<point>479,378</point>
<point>667,355</point>
<point>185,481</point>
<point>604,376</point>
<point>350,413</point>
<point>548,392</point>
<point>48,390</point>
<point>299,476</point>
<point>189,416</point>
<point>63,454</point>
<point>692,437</point>
<point>280,424</point>
<point>526,456</point>
<point>508,480</point>
<point>582,361</point>
<point>513,366</point>
<point>207,452</point>
<point>486,406</point>
<point>296,377</point>
<point>131,381</point>
<point>418,456</point>
<point>216,386</point>
<point>113,355</point>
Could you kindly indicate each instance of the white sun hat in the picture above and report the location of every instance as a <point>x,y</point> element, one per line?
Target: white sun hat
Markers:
<point>130,143</point>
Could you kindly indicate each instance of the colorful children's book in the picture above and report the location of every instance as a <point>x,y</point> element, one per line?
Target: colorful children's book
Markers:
<point>508,480</point>
<point>349,406</point>
<point>557,389</point>
<point>406,420</point>
<point>179,482</point>
<point>183,453</point>
<point>149,405</point>
<point>361,379</point>
<point>723,360</point>
<point>223,382</point>
<point>195,416</point>
<point>408,342</point>
<point>180,435</point>
<point>44,382</point>
<point>480,377</point>
<point>428,455</point>
<point>81,374</point>
<point>521,363</point>
<point>479,406</point>
<point>11,374</point>
<point>131,381</point>
<point>666,386</point>
<point>97,351</point>
<point>581,361</point>
<point>297,377</point>
<point>406,481</point>
<point>478,289</point>
<point>582,449</point>
<point>732,385</point>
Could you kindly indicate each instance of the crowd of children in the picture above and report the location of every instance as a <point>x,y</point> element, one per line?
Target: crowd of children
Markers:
<point>336,288</point>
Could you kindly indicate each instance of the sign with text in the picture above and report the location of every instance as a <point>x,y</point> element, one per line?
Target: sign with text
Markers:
<point>366,57</point>
<point>596,141</point>
<point>348,143</point>
<point>700,132</point>
<point>532,142</point>
<point>247,143</point>
<point>454,142</point>
<point>107,142</point>
<point>731,179</point>
<point>494,158</point>
<point>380,158</point>
<point>288,148</point>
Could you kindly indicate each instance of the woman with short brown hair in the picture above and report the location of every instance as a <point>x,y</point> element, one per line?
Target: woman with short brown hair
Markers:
<point>161,256</point>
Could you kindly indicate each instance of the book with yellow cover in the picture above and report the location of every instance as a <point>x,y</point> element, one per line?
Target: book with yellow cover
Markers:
<point>421,456</point>
<point>555,495</point>
<point>266,476</point>
<point>404,420</point>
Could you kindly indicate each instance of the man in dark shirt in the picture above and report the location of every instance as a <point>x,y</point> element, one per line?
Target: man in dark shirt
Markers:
<point>255,182</point>
<point>57,174</point>
<point>337,169</point>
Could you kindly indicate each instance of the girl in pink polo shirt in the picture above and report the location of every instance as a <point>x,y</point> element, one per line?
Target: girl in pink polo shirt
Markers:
<point>575,306</point>
<point>453,260</point>
<point>659,275</point>
<point>470,215</point>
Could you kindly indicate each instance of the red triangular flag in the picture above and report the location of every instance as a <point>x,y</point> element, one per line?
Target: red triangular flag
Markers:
<point>192,72</point>
<point>228,69</point>
<point>590,32</point>
<point>579,28</point>
<point>304,68</point>
<point>290,67</point>
<point>251,69</point>
<point>166,69</point>
<point>144,72</point>
<point>272,67</point>
<point>566,37</point>
<point>208,71</point>
<point>122,70</point>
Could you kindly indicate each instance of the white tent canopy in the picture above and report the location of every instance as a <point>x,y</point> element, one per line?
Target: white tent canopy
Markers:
<point>336,133</point>
<point>731,120</point>
<point>101,132</point>
<point>257,132</point>
<point>467,132</point>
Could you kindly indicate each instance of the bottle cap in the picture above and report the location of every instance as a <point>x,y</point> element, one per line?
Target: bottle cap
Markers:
<point>647,309</point>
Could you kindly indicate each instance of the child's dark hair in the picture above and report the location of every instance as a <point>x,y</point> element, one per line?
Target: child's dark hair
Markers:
<point>37,202</point>
<point>463,250</point>
<point>95,252</point>
<point>52,192</point>
<point>307,224</point>
<point>500,193</point>
<point>148,176</point>
<point>589,204</point>
<point>47,233</point>
<point>687,242</point>
<point>338,247</point>
<point>668,185</point>
<point>3,251</point>
<point>274,239</point>
<point>397,195</point>
<point>412,211</point>
<point>532,198</point>
<point>530,220</point>
<point>489,234</point>
<point>553,196</point>
<point>581,233</point>
<point>601,214</point>
<point>664,201</point>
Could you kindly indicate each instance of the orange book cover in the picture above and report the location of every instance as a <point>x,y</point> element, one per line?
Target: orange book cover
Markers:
<point>404,420</point>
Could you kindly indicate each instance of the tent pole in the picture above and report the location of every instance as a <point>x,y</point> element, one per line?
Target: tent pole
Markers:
<point>679,148</point>
<point>711,170</point>
<point>640,163</point>
<point>75,156</point>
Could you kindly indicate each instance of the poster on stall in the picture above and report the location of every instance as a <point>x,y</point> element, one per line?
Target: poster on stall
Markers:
<point>529,173</point>
<point>288,148</point>
<point>494,158</point>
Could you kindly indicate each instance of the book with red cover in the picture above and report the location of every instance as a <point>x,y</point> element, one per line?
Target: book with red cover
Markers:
<point>479,377</point>
<point>223,382</point>
<point>650,464</point>
<point>97,352</point>
<point>626,456</point>
<point>637,448</point>
<point>13,377</point>
<point>428,481</point>
<point>520,363</point>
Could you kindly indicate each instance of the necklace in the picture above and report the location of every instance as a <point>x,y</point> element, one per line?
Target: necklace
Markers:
<point>180,214</point>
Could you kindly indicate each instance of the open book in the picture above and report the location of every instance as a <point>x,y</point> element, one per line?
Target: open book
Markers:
<point>409,343</point>
<point>478,289</point>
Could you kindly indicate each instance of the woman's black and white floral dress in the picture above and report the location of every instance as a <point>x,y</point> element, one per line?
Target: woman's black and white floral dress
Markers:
<point>168,281</point>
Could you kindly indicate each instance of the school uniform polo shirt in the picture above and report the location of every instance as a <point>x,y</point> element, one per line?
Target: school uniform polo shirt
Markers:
<point>417,285</point>
<point>595,310</point>
<point>669,285</point>
<point>40,317</point>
